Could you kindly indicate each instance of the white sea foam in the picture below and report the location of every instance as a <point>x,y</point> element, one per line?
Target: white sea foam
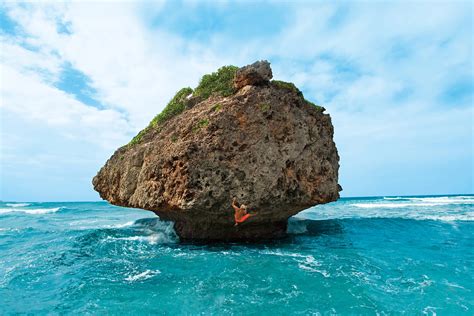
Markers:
<point>466,199</point>
<point>439,208</point>
<point>418,202</point>
<point>446,218</point>
<point>324,273</point>
<point>157,237</point>
<point>94,223</point>
<point>122,225</point>
<point>142,276</point>
<point>446,199</point>
<point>152,239</point>
<point>17,204</point>
<point>282,253</point>
<point>34,211</point>
<point>392,205</point>
<point>418,216</point>
<point>305,262</point>
<point>417,208</point>
<point>312,265</point>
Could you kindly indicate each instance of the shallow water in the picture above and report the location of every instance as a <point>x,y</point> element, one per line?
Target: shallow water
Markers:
<point>354,256</point>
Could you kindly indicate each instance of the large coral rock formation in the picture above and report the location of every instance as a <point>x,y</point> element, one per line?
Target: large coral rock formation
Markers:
<point>260,141</point>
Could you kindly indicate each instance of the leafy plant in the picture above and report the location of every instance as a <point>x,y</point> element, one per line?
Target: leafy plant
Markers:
<point>138,138</point>
<point>173,108</point>
<point>220,82</point>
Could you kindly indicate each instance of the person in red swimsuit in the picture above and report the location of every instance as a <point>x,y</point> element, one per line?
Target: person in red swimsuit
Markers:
<point>241,214</point>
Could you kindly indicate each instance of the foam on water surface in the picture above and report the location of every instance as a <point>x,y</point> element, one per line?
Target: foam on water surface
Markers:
<point>31,211</point>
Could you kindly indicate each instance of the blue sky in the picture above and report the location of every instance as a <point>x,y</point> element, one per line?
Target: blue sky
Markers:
<point>79,80</point>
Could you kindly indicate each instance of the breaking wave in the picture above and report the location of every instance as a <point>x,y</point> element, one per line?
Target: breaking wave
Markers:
<point>418,202</point>
<point>33,211</point>
<point>146,230</point>
<point>437,208</point>
<point>17,204</point>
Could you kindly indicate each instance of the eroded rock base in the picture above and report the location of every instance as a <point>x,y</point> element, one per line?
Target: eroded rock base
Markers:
<point>205,231</point>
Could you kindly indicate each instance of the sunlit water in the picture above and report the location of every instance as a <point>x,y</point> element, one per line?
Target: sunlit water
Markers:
<point>355,256</point>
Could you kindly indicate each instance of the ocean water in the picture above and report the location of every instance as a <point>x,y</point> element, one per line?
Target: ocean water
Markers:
<point>384,255</point>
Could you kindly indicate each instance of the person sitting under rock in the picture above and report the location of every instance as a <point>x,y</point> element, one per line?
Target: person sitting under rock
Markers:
<point>241,214</point>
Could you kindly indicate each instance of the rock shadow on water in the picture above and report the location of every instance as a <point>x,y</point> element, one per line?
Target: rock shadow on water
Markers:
<point>311,227</point>
<point>297,228</point>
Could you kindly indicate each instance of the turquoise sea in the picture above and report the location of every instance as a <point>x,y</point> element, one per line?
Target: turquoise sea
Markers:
<point>380,255</point>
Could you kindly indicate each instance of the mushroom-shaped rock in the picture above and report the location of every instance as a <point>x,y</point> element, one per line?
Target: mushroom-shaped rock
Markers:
<point>263,144</point>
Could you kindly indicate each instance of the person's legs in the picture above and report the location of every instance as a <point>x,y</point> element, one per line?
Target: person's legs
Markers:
<point>243,218</point>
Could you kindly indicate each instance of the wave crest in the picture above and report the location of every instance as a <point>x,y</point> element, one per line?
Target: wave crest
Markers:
<point>32,211</point>
<point>18,204</point>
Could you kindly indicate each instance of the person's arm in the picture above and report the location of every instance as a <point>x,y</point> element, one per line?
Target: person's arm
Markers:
<point>236,208</point>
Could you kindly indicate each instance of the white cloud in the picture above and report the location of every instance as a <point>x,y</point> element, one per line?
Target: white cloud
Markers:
<point>379,69</point>
<point>32,99</point>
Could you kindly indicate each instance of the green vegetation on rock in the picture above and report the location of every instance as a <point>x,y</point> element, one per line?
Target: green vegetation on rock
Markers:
<point>287,85</point>
<point>173,108</point>
<point>291,86</point>
<point>139,136</point>
<point>217,107</point>
<point>202,123</point>
<point>219,82</point>
<point>264,107</point>
<point>318,107</point>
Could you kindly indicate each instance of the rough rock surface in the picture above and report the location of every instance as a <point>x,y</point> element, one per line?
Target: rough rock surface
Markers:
<point>265,145</point>
<point>255,74</point>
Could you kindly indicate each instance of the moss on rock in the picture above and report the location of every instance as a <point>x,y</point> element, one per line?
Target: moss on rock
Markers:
<point>318,107</point>
<point>291,87</point>
<point>287,85</point>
